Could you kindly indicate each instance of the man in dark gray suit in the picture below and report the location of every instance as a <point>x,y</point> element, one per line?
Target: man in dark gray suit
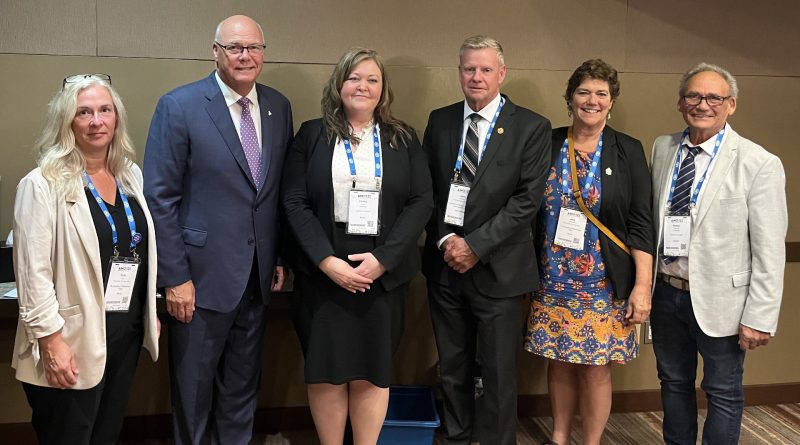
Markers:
<point>211,173</point>
<point>489,160</point>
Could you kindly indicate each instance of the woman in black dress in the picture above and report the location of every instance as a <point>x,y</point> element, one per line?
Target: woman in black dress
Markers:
<point>356,192</point>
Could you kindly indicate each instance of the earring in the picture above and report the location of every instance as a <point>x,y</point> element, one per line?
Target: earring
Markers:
<point>569,112</point>
<point>609,116</point>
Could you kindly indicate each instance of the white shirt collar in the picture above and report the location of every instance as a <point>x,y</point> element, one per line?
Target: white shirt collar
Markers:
<point>486,112</point>
<point>708,145</point>
<point>231,97</point>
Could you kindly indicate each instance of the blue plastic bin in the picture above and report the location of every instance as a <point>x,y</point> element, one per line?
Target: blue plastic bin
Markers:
<point>411,418</point>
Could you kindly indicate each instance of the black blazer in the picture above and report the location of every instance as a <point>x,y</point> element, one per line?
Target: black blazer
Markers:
<point>502,203</point>
<point>307,196</point>
<point>625,206</point>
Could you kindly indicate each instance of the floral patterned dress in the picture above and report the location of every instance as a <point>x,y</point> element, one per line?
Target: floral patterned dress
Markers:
<point>574,316</point>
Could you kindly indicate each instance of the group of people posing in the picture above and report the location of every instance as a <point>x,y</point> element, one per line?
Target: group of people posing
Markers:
<point>559,241</point>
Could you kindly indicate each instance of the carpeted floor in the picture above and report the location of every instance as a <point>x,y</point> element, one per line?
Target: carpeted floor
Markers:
<point>762,425</point>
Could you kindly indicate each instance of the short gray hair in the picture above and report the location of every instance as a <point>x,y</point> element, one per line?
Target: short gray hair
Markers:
<point>702,67</point>
<point>481,42</point>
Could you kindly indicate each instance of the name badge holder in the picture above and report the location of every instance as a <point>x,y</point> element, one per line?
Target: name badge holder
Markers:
<point>459,189</point>
<point>572,222</point>
<point>363,206</point>
<point>677,231</point>
<point>122,270</point>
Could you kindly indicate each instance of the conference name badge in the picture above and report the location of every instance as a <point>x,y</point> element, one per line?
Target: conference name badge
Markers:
<point>121,279</point>
<point>677,234</point>
<point>456,204</point>
<point>363,212</point>
<point>571,229</point>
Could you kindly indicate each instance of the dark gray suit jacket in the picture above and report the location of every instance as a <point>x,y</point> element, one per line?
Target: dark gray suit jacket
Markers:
<point>502,203</point>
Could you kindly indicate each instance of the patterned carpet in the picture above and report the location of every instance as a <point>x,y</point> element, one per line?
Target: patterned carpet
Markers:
<point>762,425</point>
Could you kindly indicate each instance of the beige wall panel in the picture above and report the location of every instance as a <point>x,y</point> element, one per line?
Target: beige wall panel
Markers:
<point>48,27</point>
<point>544,34</point>
<point>746,37</point>
<point>779,361</point>
<point>182,29</point>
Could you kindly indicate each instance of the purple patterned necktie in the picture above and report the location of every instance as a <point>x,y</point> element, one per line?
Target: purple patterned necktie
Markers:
<point>252,151</point>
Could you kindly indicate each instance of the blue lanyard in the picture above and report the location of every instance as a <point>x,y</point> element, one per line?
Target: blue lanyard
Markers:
<point>376,144</point>
<point>696,192</point>
<point>485,141</point>
<point>565,173</point>
<point>135,237</point>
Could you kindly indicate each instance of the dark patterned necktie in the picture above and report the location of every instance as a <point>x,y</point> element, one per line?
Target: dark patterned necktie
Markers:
<point>249,138</point>
<point>471,153</point>
<point>682,195</point>
<point>683,185</point>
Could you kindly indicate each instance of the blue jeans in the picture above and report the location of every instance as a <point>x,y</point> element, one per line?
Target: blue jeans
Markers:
<point>676,341</point>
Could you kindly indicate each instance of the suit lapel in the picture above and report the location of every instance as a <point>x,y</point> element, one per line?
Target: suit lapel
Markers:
<point>81,218</point>
<point>455,131</point>
<point>727,154</point>
<point>497,137</point>
<point>218,111</point>
<point>608,164</point>
<point>664,174</point>
<point>266,133</point>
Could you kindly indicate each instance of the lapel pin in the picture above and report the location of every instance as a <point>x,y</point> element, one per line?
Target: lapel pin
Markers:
<point>500,130</point>
<point>608,171</point>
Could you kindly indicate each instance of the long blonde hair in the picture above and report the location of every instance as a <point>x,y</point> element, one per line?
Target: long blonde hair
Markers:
<point>60,160</point>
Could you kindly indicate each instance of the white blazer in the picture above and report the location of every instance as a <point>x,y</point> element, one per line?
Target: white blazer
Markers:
<point>60,281</point>
<point>737,251</point>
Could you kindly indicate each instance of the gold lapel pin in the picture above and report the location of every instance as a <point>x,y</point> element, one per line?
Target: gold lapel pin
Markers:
<point>500,130</point>
<point>608,171</point>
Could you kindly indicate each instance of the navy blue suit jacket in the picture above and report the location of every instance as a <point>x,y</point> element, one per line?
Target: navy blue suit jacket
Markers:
<point>211,220</point>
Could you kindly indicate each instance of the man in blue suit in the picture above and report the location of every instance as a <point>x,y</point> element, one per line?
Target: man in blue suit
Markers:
<point>212,167</point>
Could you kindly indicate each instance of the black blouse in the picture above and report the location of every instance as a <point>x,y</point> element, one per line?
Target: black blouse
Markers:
<point>118,321</point>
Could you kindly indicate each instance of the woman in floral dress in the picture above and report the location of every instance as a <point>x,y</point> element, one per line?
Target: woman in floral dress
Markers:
<point>592,290</point>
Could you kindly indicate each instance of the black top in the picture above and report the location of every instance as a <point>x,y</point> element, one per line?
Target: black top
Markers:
<point>117,320</point>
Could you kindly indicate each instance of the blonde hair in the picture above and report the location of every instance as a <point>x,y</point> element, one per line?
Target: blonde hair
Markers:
<point>482,42</point>
<point>60,159</point>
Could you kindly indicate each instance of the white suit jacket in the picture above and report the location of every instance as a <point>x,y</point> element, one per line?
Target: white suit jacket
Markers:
<point>60,281</point>
<point>737,251</point>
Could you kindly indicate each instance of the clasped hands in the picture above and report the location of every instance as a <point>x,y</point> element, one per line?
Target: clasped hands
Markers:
<point>458,255</point>
<point>353,279</point>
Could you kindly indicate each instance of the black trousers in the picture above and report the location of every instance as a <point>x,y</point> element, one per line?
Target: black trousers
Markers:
<point>471,327</point>
<point>95,415</point>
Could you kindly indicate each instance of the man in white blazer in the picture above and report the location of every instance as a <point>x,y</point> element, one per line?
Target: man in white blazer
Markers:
<point>721,221</point>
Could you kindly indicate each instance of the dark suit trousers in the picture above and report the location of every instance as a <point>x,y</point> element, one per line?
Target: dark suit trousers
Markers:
<point>470,326</point>
<point>95,415</point>
<point>215,370</point>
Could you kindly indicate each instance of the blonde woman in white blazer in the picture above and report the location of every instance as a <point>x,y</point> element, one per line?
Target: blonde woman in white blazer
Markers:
<point>77,344</point>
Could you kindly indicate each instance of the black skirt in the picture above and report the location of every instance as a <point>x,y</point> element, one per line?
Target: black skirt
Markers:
<point>348,336</point>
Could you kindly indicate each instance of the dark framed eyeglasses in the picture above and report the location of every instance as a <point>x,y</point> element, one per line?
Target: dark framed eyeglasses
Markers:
<point>238,49</point>
<point>712,99</point>
<point>78,77</point>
